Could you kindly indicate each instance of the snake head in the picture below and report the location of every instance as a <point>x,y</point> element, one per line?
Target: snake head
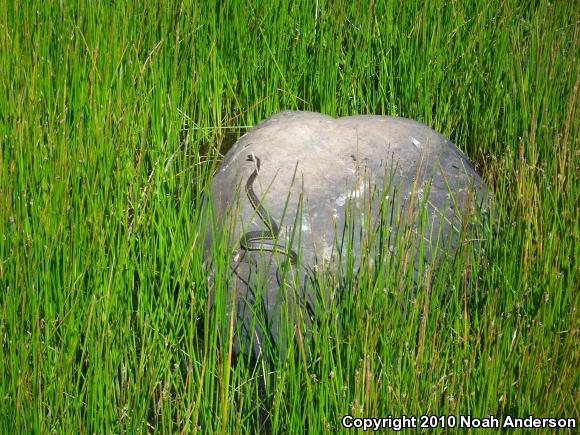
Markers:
<point>252,158</point>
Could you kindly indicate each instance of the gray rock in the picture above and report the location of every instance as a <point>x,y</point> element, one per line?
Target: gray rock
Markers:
<point>317,177</point>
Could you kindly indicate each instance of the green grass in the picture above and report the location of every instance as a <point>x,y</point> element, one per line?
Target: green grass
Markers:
<point>104,323</point>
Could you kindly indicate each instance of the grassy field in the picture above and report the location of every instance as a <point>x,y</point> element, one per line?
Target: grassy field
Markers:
<point>104,323</point>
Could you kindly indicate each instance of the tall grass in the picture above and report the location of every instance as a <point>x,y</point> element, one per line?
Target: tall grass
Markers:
<point>111,119</point>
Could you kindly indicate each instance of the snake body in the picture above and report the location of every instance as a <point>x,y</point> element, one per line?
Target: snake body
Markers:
<point>254,240</point>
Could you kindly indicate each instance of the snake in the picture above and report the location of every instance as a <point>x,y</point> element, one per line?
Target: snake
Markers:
<point>253,240</point>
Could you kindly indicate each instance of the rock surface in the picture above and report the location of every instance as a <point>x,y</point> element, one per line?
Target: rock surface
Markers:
<point>317,174</point>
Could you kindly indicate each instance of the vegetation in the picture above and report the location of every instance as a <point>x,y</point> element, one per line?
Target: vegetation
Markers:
<point>112,118</point>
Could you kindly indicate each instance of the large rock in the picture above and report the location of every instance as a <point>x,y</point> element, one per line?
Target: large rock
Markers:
<point>317,176</point>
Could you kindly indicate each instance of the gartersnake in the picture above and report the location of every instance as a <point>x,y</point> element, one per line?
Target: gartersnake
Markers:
<point>254,240</point>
